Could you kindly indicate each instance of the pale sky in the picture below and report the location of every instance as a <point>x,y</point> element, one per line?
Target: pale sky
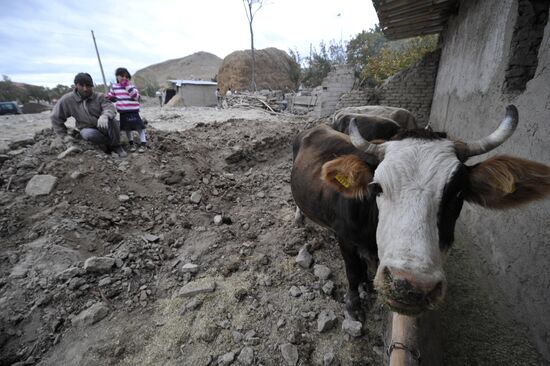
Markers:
<point>47,42</point>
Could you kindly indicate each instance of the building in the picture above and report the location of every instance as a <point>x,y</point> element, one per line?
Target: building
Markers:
<point>197,93</point>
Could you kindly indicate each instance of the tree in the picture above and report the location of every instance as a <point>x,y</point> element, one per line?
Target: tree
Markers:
<point>396,56</point>
<point>250,13</point>
<point>365,45</point>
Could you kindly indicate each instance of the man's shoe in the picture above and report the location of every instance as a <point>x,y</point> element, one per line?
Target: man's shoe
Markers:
<point>132,148</point>
<point>120,151</point>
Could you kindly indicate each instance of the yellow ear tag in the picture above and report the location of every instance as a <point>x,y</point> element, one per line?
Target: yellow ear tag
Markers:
<point>343,180</point>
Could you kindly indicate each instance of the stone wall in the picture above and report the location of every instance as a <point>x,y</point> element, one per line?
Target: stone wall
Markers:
<point>411,89</point>
<point>338,82</point>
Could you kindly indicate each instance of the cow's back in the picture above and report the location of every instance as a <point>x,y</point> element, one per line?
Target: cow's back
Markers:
<point>401,116</point>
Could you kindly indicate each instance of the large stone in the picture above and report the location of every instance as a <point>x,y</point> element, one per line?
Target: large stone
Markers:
<point>352,327</point>
<point>195,288</point>
<point>321,271</point>
<point>196,197</point>
<point>41,184</point>
<point>92,315</point>
<point>290,353</point>
<point>99,264</point>
<point>326,320</point>
<point>246,357</point>
<point>304,259</point>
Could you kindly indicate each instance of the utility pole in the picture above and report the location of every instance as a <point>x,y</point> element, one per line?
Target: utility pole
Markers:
<point>100,65</point>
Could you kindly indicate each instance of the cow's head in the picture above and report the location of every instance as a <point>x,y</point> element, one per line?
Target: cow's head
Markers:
<point>420,184</point>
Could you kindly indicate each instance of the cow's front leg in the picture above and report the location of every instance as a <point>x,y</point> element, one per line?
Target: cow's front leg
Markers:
<point>355,271</point>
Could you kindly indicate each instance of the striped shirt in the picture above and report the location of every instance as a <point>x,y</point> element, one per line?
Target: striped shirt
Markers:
<point>127,98</point>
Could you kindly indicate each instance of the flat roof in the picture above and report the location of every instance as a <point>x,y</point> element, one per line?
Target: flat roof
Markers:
<point>192,82</point>
<point>410,18</point>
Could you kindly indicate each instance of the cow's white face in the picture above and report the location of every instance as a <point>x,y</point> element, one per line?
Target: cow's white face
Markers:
<point>412,178</point>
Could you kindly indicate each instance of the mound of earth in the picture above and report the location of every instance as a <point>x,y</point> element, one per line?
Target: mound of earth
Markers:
<point>198,66</point>
<point>275,70</point>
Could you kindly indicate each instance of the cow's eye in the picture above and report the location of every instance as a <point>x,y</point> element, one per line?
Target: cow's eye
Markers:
<point>375,189</point>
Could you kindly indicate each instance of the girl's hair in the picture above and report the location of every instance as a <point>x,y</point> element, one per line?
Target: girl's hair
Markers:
<point>122,71</point>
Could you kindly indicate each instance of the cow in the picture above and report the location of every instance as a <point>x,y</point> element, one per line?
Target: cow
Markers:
<point>402,117</point>
<point>394,204</point>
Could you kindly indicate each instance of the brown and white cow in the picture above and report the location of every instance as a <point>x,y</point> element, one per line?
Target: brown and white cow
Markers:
<point>397,202</point>
<point>400,116</point>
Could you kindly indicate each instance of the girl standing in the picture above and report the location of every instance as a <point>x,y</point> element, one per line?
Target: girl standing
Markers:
<point>126,98</point>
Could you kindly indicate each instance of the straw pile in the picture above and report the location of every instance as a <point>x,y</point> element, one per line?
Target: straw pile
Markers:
<point>274,70</point>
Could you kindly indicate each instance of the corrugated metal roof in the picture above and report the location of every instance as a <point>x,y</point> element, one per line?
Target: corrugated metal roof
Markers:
<point>409,18</point>
<point>192,82</point>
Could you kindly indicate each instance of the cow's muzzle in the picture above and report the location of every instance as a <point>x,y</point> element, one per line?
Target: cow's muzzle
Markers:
<point>407,293</point>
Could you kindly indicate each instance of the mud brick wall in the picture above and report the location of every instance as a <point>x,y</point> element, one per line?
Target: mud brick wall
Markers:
<point>411,89</point>
<point>337,83</point>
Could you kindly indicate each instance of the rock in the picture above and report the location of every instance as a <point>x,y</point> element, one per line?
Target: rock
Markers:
<point>76,174</point>
<point>329,359</point>
<point>304,259</point>
<point>23,142</point>
<point>123,198</point>
<point>326,320</point>
<point>174,178</point>
<point>295,291</point>
<point>190,268</point>
<point>196,197</point>
<point>99,264</point>
<point>246,356</point>
<point>218,219</point>
<point>150,238</point>
<point>195,288</point>
<point>328,287</point>
<point>41,184</point>
<point>75,283</point>
<point>70,273</point>
<point>226,359</point>
<point>71,150</point>
<point>321,271</point>
<point>352,327</point>
<point>290,353</point>
<point>92,315</point>
<point>105,282</point>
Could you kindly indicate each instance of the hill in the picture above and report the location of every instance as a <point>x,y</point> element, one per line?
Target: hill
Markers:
<point>198,66</point>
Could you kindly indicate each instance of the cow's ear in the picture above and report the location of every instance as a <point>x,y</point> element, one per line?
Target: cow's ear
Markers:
<point>504,182</point>
<point>348,175</point>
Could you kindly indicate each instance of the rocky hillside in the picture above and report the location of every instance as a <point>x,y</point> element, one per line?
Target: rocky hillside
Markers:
<point>198,66</point>
<point>275,69</point>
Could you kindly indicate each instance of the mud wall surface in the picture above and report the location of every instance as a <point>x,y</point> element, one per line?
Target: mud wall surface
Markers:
<point>479,54</point>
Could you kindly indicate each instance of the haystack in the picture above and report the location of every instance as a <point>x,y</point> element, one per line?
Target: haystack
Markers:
<point>175,101</point>
<point>275,70</point>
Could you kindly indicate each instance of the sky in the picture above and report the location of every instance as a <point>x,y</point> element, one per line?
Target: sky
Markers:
<point>47,42</point>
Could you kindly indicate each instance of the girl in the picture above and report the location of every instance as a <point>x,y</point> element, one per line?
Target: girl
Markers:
<point>126,98</point>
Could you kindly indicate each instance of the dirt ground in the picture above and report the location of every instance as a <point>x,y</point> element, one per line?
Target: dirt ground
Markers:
<point>197,250</point>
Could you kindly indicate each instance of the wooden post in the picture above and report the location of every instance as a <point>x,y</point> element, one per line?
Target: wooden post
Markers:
<point>403,349</point>
<point>100,65</point>
<point>412,337</point>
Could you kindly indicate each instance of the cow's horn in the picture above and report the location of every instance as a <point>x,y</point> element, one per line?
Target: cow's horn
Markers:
<point>501,134</point>
<point>359,142</point>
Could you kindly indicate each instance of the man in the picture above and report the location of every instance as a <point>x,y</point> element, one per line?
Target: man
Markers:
<point>94,115</point>
<point>159,95</point>
<point>218,98</point>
